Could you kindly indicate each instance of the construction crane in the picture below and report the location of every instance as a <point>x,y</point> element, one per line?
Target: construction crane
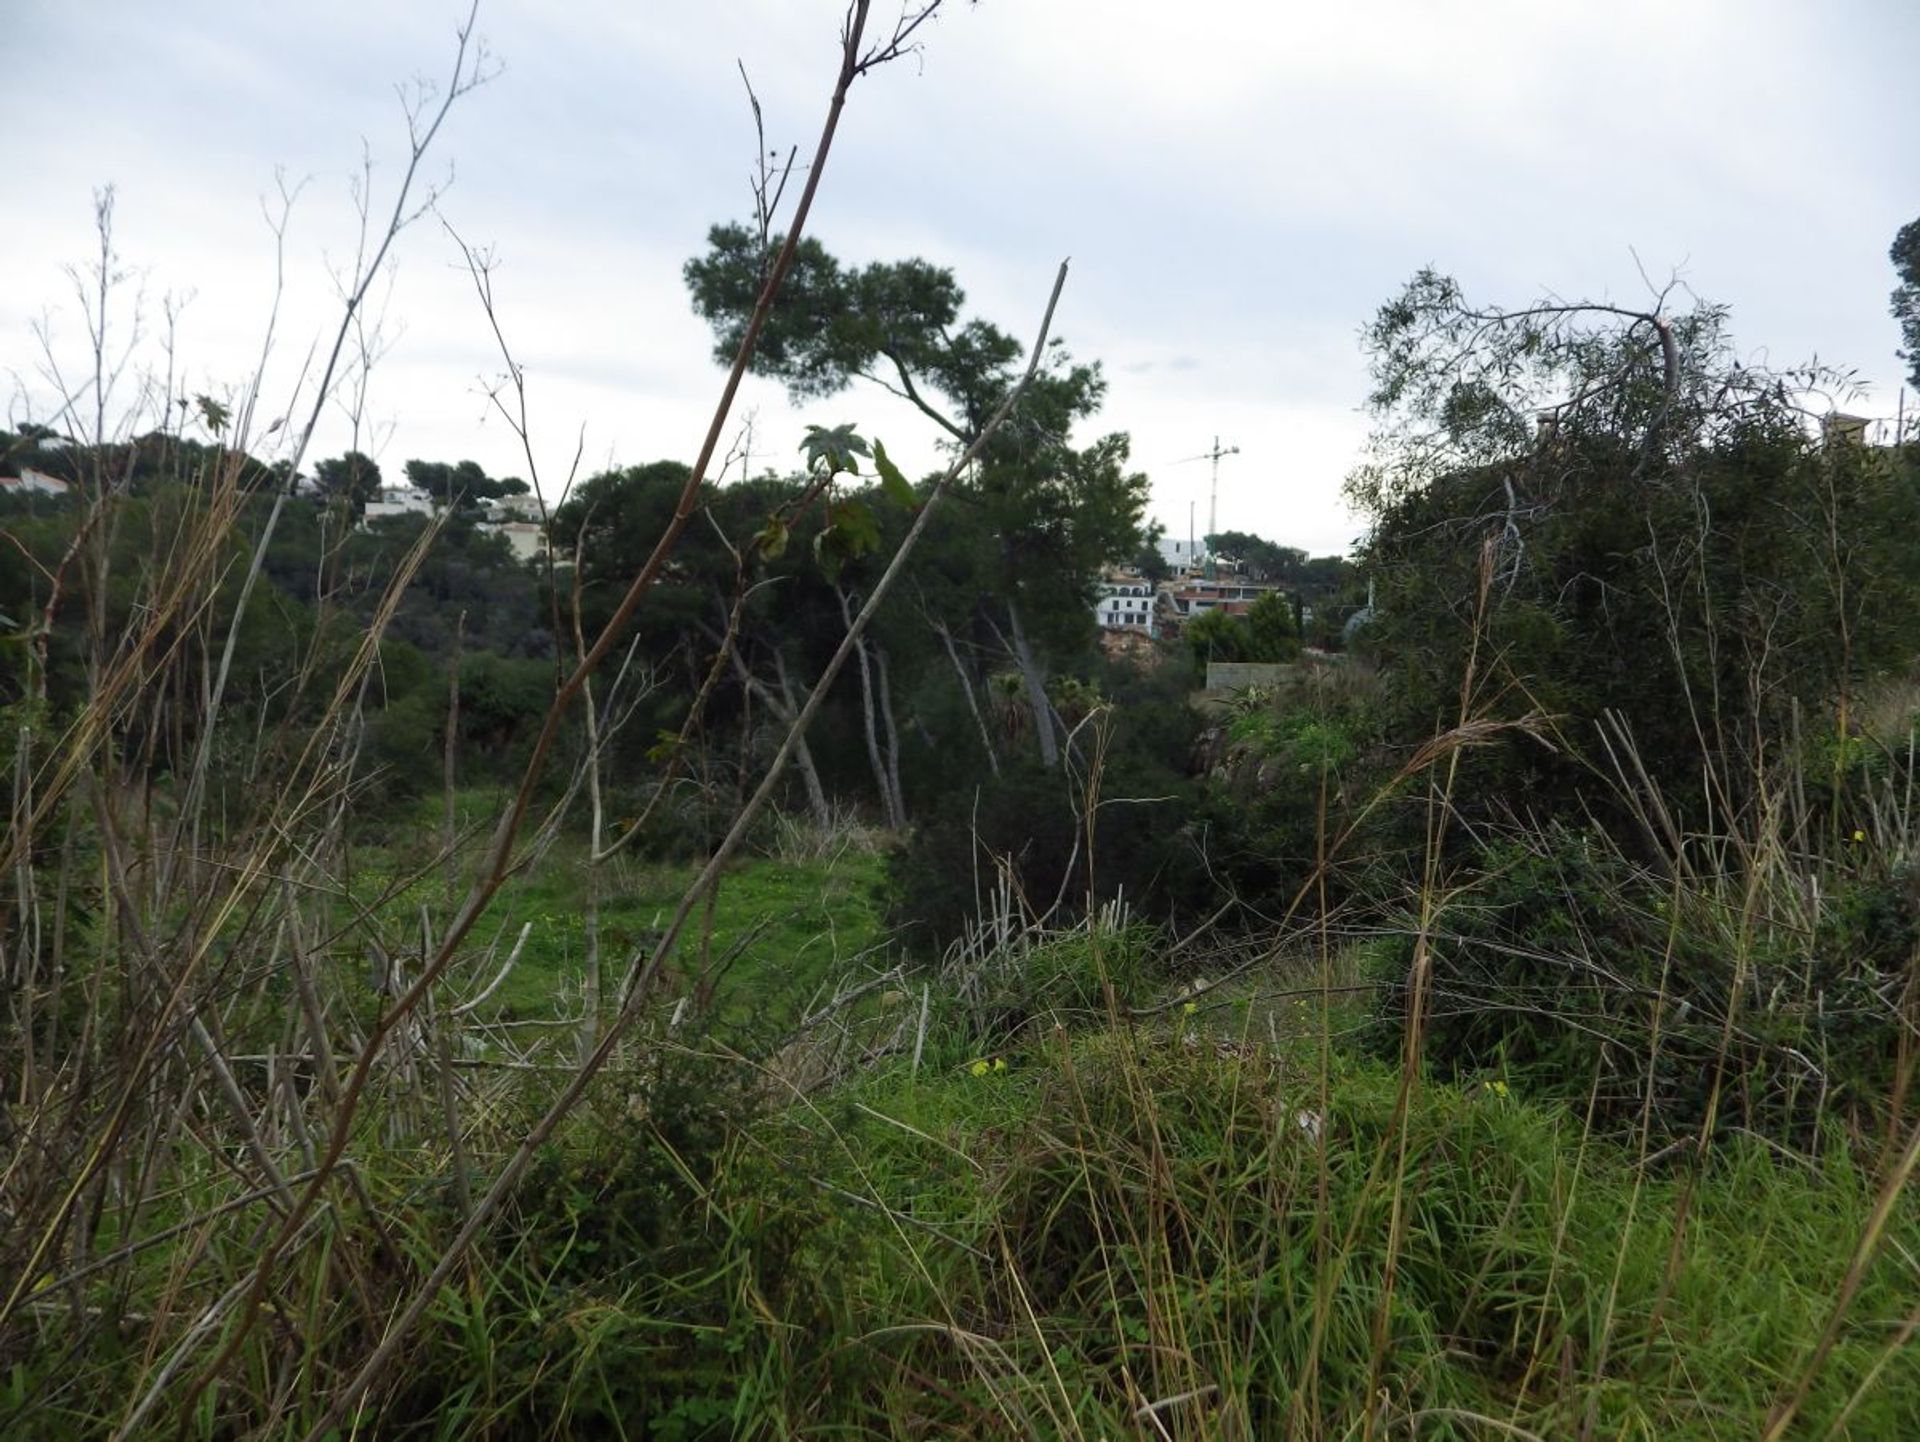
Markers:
<point>1213,492</point>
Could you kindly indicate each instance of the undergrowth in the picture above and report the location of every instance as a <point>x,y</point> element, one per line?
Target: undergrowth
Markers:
<point>1164,1231</point>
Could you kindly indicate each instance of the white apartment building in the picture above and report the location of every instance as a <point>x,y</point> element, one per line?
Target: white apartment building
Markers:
<point>1126,605</point>
<point>1182,556</point>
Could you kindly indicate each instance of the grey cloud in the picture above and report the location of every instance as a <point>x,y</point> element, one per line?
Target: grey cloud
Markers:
<point>1232,223</point>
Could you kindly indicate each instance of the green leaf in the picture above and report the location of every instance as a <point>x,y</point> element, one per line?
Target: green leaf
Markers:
<point>854,527</point>
<point>771,539</point>
<point>891,480</point>
<point>835,447</point>
<point>212,414</point>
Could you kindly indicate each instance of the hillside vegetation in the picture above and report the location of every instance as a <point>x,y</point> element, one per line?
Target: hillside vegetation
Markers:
<point>762,968</point>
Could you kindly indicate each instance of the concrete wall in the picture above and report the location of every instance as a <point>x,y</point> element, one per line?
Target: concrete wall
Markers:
<point>1238,675</point>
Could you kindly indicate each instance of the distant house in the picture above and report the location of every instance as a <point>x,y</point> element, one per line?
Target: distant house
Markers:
<point>525,506</point>
<point>528,540</point>
<point>1192,597</point>
<point>398,501</point>
<point>32,483</point>
<point>1127,604</point>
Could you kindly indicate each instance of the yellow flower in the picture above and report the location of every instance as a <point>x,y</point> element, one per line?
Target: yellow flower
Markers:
<point>1189,1008</point>
<point>1859,836</point>
<point>1498,1088</point>
<point>999,1063</point>
<point>979,1068</point>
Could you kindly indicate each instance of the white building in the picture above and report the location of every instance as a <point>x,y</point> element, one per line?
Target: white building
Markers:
<point>32,483</point>
<point>527,538</point>
<point>1182,555</point>
<point>1126,605</point>
<point>522,507</point>
<point>398,501</point>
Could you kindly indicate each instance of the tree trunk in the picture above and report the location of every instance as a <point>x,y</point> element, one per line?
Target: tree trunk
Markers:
<point>449,829</point>
<point>802,757</point>
<point>589,1036</point>
<point>782,706</point>
<point>1036,689</point>
<point>888,808</point>
<point>893,737</point>
<point>966,689</point>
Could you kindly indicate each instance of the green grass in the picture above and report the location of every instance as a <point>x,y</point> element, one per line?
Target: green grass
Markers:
<point>777,928</point>
<point>1068,1219</point>
<point>1039,1234</point>
<point>1126,1215</point>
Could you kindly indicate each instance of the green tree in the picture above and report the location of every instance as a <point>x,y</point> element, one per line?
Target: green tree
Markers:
<point>1311,577</point>
<point>1615,521</point>
<point>1272,632</point>
<point>352,478</point>
<point>1263,560</point>
<point>1149,562</point>
<point>1059,512</point>
<point>463,483</point>
<point>1215,636</point>
<point>1905,256</point>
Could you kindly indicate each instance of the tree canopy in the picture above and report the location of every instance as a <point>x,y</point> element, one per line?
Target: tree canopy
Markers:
<point>1613,519</point>
<point>1058,512</point>
<point>1905,255</point>
<point>352,478</point>
<point>463,480</point>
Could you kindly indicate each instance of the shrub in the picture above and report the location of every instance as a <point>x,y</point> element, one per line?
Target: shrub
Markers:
<point>1028,821</point>
<point>1598,981</point>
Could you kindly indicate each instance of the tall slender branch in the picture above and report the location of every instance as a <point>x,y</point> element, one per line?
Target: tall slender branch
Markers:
<point>635,992</point>
<point>499,863</point>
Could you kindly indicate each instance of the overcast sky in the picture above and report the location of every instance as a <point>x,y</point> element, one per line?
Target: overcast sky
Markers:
<point>1239,186</point>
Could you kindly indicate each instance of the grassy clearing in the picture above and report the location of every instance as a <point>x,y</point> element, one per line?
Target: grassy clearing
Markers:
<point>1157,1231</point>
<point>1059,1219</point>
<point>776,929</point>
<point>1216,1219</point>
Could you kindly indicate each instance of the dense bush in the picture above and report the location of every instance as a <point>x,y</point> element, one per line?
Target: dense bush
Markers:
<point>1692,575</point>
<point>1030,824</point>
<point>1583,975</point>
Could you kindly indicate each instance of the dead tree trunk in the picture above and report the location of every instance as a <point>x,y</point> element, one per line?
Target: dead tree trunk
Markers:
<point>888,806</point>
<point>893,736</point>
<point>785,708</point>
<point>966,689</point>
<point>1036,689</point>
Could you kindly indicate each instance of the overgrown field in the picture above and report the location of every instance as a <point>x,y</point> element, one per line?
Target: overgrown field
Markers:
<point>769,967</point>
<point>1089,1198</point>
